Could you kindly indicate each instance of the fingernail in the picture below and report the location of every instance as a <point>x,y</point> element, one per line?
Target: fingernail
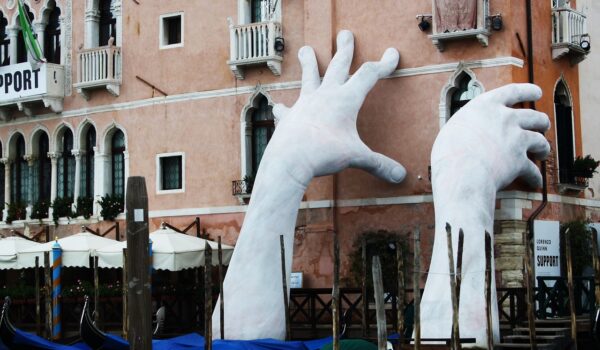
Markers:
<point>398,174</point>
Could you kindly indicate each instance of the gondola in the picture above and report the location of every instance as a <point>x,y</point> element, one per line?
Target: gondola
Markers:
<point>95,338</point>
<point>7,330</point>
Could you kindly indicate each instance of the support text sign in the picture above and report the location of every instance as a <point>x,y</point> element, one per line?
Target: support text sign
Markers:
<point>546,248</point>
<point>21,80</point>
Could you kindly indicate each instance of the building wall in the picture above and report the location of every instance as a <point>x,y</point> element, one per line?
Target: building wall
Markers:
<point>201,116</point>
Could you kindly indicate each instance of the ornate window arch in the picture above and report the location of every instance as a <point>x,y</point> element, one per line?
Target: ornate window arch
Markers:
<point>86,143</point>
<point>65,163</point>
<point>564,129</point>
<point>114,147</point>
<point>4,41</point>
<point>19,177</point>
<point>257,127</point>
<point>49,31</point>
<point>103,19</point>
<point>461,88</point>
<point>41,165</point>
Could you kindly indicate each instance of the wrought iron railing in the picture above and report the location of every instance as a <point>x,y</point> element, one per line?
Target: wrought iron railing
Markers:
<point>552,295</point>
<point>241,187</point>
<point>572,177</point>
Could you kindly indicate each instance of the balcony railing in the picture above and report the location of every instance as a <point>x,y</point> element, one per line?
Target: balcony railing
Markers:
<point>568,27</point>
<point>26,87</point>
<point>99,67</point>
<point>571,181</point>
<point>254,44</point>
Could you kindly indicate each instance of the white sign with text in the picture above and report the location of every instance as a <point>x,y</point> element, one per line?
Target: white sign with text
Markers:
<point>21,80</point>
<point>546,249</point>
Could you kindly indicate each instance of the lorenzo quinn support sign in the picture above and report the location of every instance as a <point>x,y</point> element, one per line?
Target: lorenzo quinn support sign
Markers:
<point>546,249</point>
<point>21,80</point>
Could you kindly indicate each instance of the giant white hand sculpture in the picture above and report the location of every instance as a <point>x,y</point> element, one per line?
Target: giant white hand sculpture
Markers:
<point>316,137</point>
<point>483,148</point>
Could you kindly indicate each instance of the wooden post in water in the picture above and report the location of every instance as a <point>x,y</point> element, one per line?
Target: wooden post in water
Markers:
<point>379,304</point>
<point>529,284</point>
<point>138,265</point>
<point>222,298</point>
<point>570,287</point>
<point>455,338</point>
<point>417,288</point>
<point>47,295</point>
<point>459,257</point>
<point>207,297</point>
<point>96,289</point>
<point>285,289</point>
<point>400,296</point>
<point>335,293</point>
<point>365,297</point>
<point>38,322</point>
<point>124,294</point>
<point>488,290</point>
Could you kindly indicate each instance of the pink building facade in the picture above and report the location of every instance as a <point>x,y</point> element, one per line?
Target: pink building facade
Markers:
<point>181,92</point>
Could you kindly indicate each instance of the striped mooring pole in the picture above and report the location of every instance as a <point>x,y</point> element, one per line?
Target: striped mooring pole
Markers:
<point>56,289</point>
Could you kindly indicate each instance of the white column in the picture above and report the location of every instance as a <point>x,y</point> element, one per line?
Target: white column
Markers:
<point>115,8</point>
<point>39,28</point>
<point>7,163</point>
<point>30,162</point>
<point>77,187</point>
<point>13,34</point>
<point>100,184</point>
<point>92,19</point>
<point>53,178</point>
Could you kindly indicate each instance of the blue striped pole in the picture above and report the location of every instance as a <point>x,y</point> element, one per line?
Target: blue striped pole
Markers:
<point>56,289</point>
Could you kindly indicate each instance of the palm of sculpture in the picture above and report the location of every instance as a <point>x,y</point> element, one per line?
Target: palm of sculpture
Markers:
<point>482,149</point>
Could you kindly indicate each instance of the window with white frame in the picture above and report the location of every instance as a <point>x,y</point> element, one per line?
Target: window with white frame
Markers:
<point>171,30</point>
<point>170,177</point>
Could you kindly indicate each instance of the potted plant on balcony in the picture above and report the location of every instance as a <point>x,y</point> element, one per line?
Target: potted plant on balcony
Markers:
<point>40,209</point>
<point>16,211</point>
<point>61,207</point>
<point>584,168</point>
<point>84,207</point>
<point>111,207</point>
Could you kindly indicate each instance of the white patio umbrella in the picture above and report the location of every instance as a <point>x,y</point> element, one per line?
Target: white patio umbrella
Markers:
<point>9,247</point>
<point>76,250</point>
<point>171,251</point>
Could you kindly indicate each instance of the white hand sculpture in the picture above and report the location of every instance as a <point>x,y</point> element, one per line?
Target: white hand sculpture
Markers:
<point>316,137</point>
<point>483,148</point>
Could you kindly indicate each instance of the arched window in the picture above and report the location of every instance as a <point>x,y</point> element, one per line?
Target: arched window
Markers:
<point>466,90</point>
<point>118,163</point>
<point>66,166</point>
<point>107,24</point>
<point>87,164</point>
<point>564,133</point>
<point>19,173</point>
<point>4,42</point>
<point>52,37</point>
<point>263,126</point>
<point>41,170</point>
<point>21,49</point>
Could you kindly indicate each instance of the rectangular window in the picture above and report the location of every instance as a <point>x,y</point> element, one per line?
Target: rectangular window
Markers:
<point>170,173</point>
<point>171,30</point>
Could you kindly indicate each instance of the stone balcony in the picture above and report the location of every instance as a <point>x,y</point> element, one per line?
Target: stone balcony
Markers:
<point>99,68</point>
<point>24,87</point>
<point>254,45</point>
<point>569,27</point>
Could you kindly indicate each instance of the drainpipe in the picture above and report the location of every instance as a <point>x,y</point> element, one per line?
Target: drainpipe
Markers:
<point>530,61</point>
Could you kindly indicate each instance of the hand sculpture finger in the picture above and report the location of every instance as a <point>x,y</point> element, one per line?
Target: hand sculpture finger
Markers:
<point>310,70</point>
<point>537,144</point>
<point>379,165</point>
<point>531,174</point>
<point>339,68</point>
<point>280,111</point>
<point>369,73</point>
<point>529,119</point>
<point>512,94</point>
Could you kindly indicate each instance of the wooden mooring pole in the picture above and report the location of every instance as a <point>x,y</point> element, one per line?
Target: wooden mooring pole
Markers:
<point>400,296</point>
<point>488,290</point>
<point>417,288</point>
<point>596,261</point>
<point>38,322</point>
<point>570,287</point>
<point>529,284</point>
<point>455,338</point>
<point>48,294</point>
<point>285,289</point>
<point>207,297</point>
<point>222,298</point>
<point>138,265</point>
<point>96,290</point>
<point>379,304</point>
<point>335,293</point>
<point>124,300</point>
<point>365,297</point>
